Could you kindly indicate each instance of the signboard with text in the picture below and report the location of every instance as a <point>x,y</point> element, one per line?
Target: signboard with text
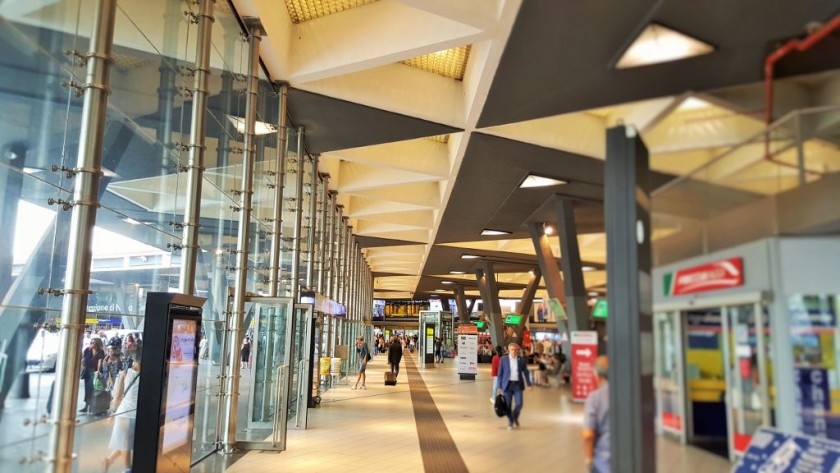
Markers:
<point>715,276</point>
<point>778,452</point>
<point>467,354</point>
<point>584,353</point>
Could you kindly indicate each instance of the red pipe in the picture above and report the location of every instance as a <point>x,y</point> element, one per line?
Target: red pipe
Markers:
<point>772,59</point>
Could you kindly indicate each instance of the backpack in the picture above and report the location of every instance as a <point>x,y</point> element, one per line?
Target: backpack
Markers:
<point>115,341</point>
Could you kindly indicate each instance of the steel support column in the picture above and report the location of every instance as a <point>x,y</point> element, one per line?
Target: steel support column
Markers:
<point>322,233</point>
<point>333,237</point>
<point>630,329</point>
<point>524,306</point>
<point>298,216</point>
<point>82,221</point>
<point>576,308</point>
<point>195,166</point>
<point>313,225</point>
<point>489,291</point>
<point>237,318</point>
<point>275,256</point>
<point>461,303</point>
<point>550,273</point>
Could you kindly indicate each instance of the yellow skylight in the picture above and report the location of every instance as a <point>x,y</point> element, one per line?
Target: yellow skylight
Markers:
<point>450,63</point>
<point>305,10</point>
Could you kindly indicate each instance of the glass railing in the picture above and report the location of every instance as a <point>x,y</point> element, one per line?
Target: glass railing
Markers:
<point>692,212</point>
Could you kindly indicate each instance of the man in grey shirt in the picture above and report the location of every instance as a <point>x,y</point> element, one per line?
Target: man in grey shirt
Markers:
<point>596,422</point>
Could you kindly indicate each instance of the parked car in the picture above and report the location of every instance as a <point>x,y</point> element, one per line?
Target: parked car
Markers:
<point>43,353</point>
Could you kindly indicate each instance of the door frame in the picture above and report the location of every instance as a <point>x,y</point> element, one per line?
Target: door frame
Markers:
<point>278,425</point>
<point>305,365</point>
<point>679,338</point>
<point>759,300</point>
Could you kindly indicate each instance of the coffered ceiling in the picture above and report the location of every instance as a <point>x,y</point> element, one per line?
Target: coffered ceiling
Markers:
<point>428,114</point>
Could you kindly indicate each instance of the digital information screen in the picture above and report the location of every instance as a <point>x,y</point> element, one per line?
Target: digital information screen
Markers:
<point>178,406</point>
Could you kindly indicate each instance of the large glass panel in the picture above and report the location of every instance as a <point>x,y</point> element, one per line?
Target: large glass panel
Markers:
<point>746,387</point>
<point>300,376</point>
<point>39,129</point>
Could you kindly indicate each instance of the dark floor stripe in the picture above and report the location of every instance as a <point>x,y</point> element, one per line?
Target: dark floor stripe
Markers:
<point>440,455</point>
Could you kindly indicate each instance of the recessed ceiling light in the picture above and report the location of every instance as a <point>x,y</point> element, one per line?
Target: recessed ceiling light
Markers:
<point>587,268</point>
<point>548,229</point>
<point>487,232</point>
<point>131,221</point>
<point>693,103</point>
<point>470,256</point>
<point>539,181</point>
<point>434,295</point>
<point>441,290</point>
<point>457,272</point>
<point>593,294</point>
<point>658,44</point>
<point>447,282</point>
<point>260,128</point>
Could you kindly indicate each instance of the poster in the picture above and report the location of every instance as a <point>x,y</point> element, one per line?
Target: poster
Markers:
<point>468,353</point>
<point>584,353</point>
<point>772,451</point>
<point>180,385</point>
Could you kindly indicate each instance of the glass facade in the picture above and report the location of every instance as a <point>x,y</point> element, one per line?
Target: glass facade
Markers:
<point>138,236</point>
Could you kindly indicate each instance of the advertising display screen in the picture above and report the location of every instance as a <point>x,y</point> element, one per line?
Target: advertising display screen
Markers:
<point>179,394</point>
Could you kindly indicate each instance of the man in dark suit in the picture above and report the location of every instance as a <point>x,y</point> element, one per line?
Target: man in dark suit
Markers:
<point>513,375</point>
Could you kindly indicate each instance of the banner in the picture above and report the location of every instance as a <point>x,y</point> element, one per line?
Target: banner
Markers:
<point>467,354</point>
<point>584,353</point>
<point>777,452</point>
<point>715,276</point>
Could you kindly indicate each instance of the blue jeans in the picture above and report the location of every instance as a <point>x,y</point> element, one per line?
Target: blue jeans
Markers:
<point>495,387</point>
<point>514,392</point>
<point>395,368</point>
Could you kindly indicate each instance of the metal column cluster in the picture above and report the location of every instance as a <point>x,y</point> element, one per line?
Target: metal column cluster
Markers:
<point>343,274</point>
<point>275,260</point>
<point>195,166</point>
<point>83,218</point>
<point>236,319</point>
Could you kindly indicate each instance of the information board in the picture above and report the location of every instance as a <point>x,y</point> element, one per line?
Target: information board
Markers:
<point>772,451</point>
<point>584,353</point>
<point>467,354</point>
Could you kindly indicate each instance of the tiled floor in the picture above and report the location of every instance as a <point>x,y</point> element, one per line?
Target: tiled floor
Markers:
<point>374,430</point>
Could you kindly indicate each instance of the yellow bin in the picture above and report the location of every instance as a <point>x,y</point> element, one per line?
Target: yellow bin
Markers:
<point>324,369</point>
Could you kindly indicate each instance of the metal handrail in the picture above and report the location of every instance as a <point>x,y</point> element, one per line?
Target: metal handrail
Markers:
<point>793,115</point>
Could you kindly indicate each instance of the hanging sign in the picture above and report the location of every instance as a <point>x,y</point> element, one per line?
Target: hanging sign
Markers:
<point>584,353</point>
<point>715,276</point>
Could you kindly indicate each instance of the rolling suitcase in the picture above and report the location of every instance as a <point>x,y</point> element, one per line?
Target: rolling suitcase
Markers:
<point>390,378</point>
<point>100,402</point>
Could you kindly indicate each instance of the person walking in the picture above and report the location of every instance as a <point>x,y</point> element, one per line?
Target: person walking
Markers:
<point>245,354</point>
<point>364,357</point>
<point>513,375</point>
<point>494,370</point>
<point>395,352</point>
<point>91,360</point>
<point>125,415</point>
<point>596,422</point>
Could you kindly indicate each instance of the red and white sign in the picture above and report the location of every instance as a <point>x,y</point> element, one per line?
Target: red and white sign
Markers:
<point>584,353</point>
<point>724,274</point>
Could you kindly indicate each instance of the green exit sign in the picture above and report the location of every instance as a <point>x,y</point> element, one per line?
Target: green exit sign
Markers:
<point>513,319</point>
<point>601,309</point>
<point>480,324</point>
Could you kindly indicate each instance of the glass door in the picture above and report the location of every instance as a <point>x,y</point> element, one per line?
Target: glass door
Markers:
<point>267,377</point>
<point>748,403</point>
<point>668,380</point>
<point>301,366</point>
